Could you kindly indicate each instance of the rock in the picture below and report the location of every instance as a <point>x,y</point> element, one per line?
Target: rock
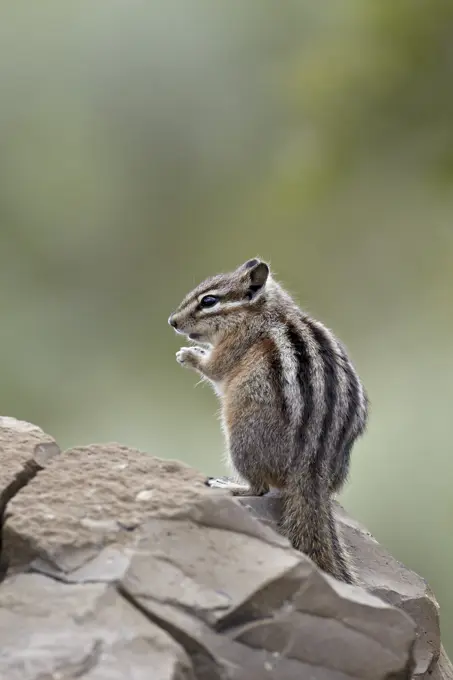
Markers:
<point>57,630</point>
<point>122,565</point>
<point>24,450</point>
<point>443,669</point>
<point>386,578</point>
<point>274,609</point>
<point>92,498</point>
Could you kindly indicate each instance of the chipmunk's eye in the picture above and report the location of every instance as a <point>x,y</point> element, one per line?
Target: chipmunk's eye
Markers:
<point>208,301</point>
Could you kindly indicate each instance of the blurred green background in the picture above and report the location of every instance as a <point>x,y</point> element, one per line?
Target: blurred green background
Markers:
<point>144,146</point>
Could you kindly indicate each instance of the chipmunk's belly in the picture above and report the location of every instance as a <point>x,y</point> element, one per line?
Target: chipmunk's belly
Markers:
<point>250,448</point>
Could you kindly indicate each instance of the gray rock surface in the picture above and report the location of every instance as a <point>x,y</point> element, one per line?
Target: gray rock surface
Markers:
<point>57,630</point>
<point>443,669</point>
<point>385,577</point>
<point>121,565</point>
<point>25,449</point>
<point>89,499</point>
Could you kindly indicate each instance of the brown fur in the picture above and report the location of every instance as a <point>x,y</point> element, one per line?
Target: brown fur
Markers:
<point>292,403</point>
<point>232,403</point>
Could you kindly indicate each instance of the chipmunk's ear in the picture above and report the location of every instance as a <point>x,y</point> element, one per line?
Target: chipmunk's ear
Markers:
<point>257,274</point>
<point>250,264</point>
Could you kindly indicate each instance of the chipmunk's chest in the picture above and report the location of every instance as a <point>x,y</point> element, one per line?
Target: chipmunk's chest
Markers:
<point>219,388</point>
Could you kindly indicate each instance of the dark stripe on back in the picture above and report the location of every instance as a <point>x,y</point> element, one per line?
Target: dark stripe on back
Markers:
<point>304,377</point>
<point>352,426</point>
<point>353,401</point>
<point>277,376</point>
<point>330,367</point>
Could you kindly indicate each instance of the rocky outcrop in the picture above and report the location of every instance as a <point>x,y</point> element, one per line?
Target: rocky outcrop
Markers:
<point>382,575</point>
<point>119,565</point>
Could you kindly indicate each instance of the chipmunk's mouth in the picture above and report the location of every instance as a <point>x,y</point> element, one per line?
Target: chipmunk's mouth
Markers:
<point>195,336</point>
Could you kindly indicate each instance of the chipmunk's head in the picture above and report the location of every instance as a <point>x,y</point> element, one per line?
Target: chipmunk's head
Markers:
<point>221,302</point>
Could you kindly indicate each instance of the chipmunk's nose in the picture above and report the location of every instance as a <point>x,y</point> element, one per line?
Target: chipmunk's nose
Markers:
<point>172,321</point>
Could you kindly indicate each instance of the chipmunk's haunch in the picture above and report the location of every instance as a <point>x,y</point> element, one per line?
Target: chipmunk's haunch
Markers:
<point>292,403</point>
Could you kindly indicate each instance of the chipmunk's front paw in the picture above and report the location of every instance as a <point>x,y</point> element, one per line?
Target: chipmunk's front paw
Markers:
<point>190,356</point>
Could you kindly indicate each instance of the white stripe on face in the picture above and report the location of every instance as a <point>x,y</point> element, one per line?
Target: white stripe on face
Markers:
<point>206,311</point>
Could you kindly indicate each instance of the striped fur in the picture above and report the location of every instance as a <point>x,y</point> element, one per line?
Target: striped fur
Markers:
<point>292,402</point>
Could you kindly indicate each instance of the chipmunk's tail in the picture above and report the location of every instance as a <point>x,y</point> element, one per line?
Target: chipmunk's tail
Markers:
<point>308,522</point>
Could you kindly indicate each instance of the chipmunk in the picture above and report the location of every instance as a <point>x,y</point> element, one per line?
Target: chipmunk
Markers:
<point>292,404</point>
